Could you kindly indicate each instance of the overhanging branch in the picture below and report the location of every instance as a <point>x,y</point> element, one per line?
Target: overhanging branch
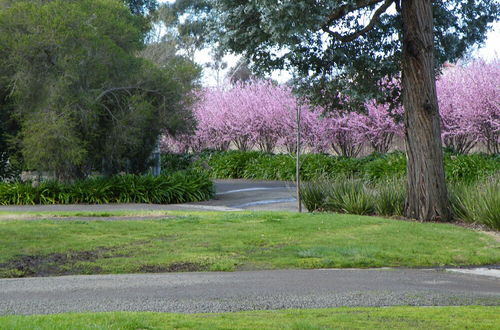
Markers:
<point>350,37</point>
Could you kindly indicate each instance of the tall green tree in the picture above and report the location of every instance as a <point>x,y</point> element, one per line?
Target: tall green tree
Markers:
<point>142,7</point>
<point>363,43</point>
<point>83,99</point>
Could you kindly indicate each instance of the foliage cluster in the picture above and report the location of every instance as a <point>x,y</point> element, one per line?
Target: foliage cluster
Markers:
<point>473,202</point>
<point>7,171</point>
<point>236,164</point>
<point>180,187</point>
<point>80,97</point>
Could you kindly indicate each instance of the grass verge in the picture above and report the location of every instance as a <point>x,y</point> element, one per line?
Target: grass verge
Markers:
<point>472,317</point>
<point>235,241</point>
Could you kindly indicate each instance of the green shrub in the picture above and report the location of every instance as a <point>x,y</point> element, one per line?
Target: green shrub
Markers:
<point>229,164</point>
<point>375,167</point>
<point>385,166</point>
<point>179,187</point>
<point>175,162</point>
<point>469,168</point>
<point>271,167</point>
<point>473,202</point>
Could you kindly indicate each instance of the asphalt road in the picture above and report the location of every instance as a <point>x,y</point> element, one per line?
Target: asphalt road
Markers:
<point>231,195</point>
<point>256,290</point>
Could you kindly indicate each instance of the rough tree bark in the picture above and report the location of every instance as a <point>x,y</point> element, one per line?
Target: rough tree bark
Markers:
<point>427,197</point>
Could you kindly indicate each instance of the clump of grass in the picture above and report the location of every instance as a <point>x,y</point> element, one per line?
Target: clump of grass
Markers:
<point>179,187</point>
<point>350,196</point>
<point>343,195</point>
<point>389,197</point>
<point>478,202</point>
<point>314,195</point>
<point>473,202</point>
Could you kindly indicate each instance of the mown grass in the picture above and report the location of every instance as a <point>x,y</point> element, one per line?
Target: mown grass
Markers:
<point>235,241</point>
<point>471,317</point>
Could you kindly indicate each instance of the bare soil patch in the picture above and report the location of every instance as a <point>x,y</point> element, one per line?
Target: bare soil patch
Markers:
<point>53,264</point>
<point>174,267</point>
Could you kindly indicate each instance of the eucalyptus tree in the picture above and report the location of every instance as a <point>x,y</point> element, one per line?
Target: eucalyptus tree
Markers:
<point>364,44</point>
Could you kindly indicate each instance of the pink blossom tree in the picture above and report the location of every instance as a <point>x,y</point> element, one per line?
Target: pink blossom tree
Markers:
<point>258,113</point>
<point>469,103</point>
<point>337,132</point>
<point>378,127</point>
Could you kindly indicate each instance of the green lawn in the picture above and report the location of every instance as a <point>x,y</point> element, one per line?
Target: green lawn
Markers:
<point>338,318</point>
<point>234,241</point>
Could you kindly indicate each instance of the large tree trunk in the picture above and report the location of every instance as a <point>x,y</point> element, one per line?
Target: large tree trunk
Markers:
<point>427,197</point>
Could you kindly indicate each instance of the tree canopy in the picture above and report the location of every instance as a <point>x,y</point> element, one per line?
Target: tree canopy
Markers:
<point>341,45</point>
<point>71,79</point>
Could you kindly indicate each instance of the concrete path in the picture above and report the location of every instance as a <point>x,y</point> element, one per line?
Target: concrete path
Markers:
<point>256,290</point>
<point>231,195</point>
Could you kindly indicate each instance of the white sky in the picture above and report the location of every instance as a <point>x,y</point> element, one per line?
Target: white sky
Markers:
<point>489,51</point>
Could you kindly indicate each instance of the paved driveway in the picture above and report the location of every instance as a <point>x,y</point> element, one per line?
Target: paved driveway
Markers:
<point>221,292</point>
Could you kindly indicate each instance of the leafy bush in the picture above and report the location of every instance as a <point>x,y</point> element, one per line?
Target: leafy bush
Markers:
<point>7,171</point>
<point>469,168</point>
<point>344,195</point>
<point>171,162</point>
<point>271,167</point>
<point>383,166</point>
<point>375,167</point>
<point>350,196</point>
<point>180,187</point>
<point>314,195</point>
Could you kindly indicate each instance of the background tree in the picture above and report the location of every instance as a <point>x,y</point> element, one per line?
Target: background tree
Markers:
<point>81,96</point>
<point>469,104</point>
<point>141,7</point>
<point>241,72</point>
<point>360,43</point>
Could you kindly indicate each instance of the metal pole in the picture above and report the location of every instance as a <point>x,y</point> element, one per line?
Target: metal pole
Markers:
<point>156,170</point>
<point>297,170</point>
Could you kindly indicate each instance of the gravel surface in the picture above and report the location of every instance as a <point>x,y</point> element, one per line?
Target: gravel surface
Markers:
<point>256,290</point>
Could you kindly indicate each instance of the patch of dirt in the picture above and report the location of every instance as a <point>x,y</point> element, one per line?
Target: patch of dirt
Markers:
<point>54,264</point>
<point>174,268</point>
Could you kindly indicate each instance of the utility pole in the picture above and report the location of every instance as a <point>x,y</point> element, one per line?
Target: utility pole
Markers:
<point>297,170</point>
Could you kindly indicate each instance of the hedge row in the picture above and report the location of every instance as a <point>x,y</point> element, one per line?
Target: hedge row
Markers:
<point>180,187</point>
<point>265,166</point>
